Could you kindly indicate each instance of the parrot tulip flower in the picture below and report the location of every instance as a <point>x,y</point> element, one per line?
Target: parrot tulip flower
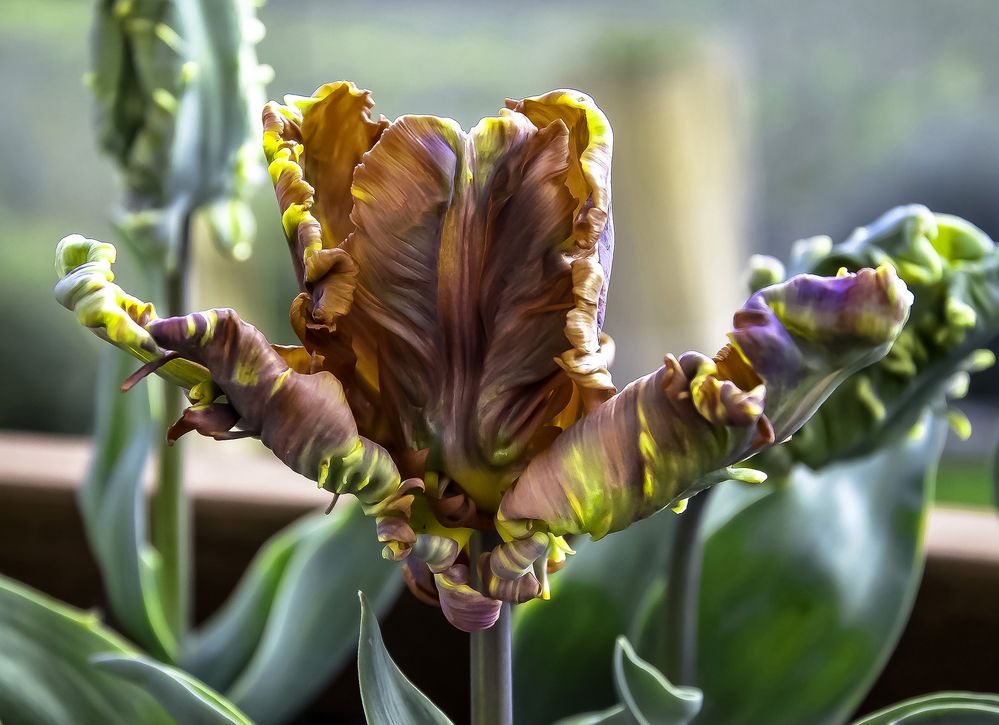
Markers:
<point>453,373</point>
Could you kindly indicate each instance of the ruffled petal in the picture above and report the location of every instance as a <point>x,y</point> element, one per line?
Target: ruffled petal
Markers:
<point>588,179</point>
<point>303,418</point>
<point>666,435</point>
<point>214,420</point>
<point>479,257</point>
<point>806,336</point>
<point>312,146</point>
<point>402,192</point>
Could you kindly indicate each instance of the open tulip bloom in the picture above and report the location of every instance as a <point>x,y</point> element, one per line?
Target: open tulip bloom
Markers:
<point>453,373</point>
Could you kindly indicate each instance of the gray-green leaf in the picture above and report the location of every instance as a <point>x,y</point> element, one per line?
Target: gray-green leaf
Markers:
<point>617,715</point>
<point>566,645</point>
<point>218,651</point>
<point>189,701</point>
<point>805,589</point>
<point>388,697</point>
<point>940,708</point>
<point>46,677</point>
<point>113,508</point>
<point>312,618</point>
<point>648,695</point>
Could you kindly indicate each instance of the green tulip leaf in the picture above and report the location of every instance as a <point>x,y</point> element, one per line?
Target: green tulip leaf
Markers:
<point>218,651</point>
<point>596,598</point>
<point>189,701</point>
<point>617,715</point>
<point>648,695</point>
<point>113,508</point>
<point>388,697</point>
<point>940,708</point>
<point>805,589</point>
<point>46,675</point>
<point>296,611</point>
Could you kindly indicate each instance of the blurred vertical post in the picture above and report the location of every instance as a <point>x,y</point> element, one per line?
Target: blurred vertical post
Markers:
<point>681,184</point>
<point>680,192</point>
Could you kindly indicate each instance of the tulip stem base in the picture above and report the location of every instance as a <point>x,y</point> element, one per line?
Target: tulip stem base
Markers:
<point>491,658</point>
<point>170,510</point>
<point>683,589</point>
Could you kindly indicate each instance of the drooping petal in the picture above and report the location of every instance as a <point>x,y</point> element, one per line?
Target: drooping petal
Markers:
<point>806,336</point>
<point>465,608</point>
<point>660,439</point>
<point>86,287</point>
<point>303,418</point>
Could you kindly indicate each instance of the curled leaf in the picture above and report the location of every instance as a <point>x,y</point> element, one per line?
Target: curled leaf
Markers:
<point>953,708</point>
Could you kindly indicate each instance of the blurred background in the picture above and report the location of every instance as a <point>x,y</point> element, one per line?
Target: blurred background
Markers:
<point>740,127</point>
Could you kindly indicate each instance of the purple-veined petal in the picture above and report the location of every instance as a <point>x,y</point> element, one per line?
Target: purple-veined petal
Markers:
<point>663,437</point>
<point>465,608</point>
<point>303,418</point>
<point>476,262</point>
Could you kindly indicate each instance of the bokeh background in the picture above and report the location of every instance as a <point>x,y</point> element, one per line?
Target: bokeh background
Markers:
<point>740,127</point>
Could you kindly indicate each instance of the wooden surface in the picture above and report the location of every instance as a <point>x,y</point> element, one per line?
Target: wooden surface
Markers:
<point>242,496</point>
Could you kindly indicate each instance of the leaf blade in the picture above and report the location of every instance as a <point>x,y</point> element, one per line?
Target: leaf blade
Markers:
<point>647,694</point>
<point>184,697</point>
<point>806,589</point>
<point>596,597</point>
<point>45,670</point>
<point>387,695</point>
<point>971,708</point>
<point>309,632</point>
<point>113,508</point>
<point>219,650</point>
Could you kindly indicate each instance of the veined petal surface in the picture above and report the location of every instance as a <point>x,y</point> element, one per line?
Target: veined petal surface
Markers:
<point>660,439</point>
<point>472,271</point>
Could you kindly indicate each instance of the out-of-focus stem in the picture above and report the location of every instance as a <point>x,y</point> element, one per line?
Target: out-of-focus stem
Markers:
<point>170,510</point>
<point>491,658</point>
<point>683,592</point>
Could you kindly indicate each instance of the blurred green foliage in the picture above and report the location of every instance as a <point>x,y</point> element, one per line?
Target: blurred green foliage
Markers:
<point>965,482</point>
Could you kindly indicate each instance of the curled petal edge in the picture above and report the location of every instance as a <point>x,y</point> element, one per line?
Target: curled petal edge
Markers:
<point>792,345</point>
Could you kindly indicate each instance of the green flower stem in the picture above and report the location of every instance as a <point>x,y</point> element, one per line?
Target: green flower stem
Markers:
<point>491,659</point>
<point>683,588</point>
<point>170,509</point>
